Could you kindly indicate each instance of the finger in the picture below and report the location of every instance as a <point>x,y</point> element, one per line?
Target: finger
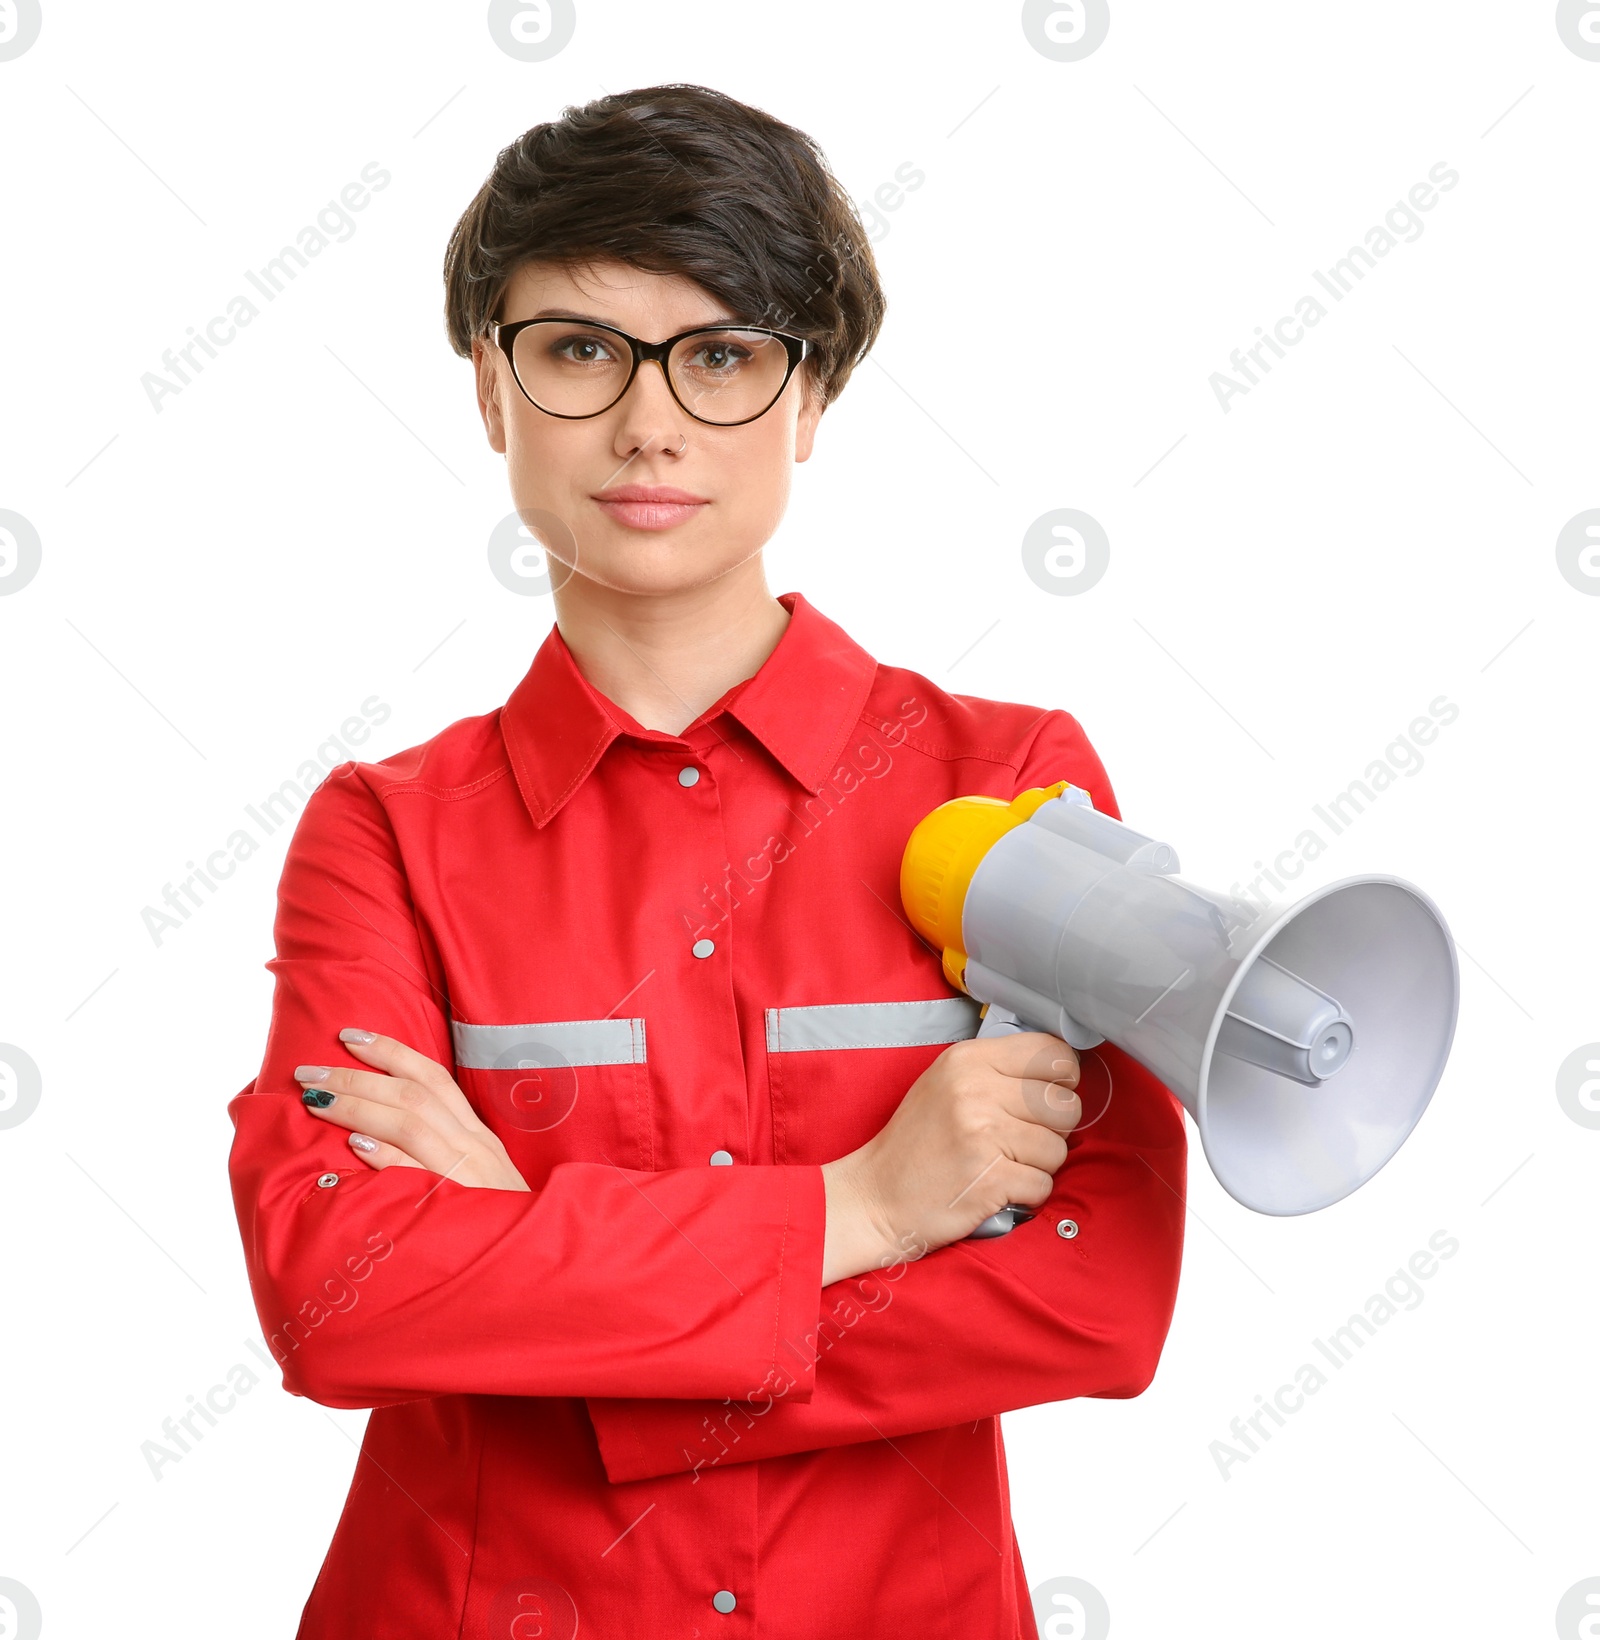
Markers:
<point>376,1154</point>
<point>1054,1104</point>
<point>399,1091</point>
<point>1033,1144</point>
<point>1034,1054</point>
<point>1029,1187</point>
<point>1035,1077</point>
<point>386,1053</point>
<point>406,1130</point>
<point>1019,1183</point>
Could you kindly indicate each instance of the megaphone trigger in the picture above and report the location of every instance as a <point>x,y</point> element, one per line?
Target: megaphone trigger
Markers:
<point>998,1021</point>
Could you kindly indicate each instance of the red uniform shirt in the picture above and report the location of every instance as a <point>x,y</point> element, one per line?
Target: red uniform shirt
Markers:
<point>673,974</point>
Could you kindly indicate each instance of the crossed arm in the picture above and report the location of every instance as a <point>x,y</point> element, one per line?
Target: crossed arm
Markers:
<point>908,1342</point>
<point>688,1306</point>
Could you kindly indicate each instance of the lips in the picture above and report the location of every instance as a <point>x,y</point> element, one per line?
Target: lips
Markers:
<point>650,506</point>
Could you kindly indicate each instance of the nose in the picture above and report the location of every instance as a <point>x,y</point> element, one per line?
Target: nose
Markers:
<point>650,412</point>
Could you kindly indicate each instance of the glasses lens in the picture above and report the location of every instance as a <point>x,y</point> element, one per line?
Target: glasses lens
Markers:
<point>568,368</point>
<point>728,375</point>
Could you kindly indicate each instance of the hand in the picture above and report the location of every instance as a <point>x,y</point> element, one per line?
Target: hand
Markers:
<point>984,1125</point>
<point>413,1116</point>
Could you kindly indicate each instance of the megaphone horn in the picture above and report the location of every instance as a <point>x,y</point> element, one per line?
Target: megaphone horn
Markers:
<point>1305,1041</point>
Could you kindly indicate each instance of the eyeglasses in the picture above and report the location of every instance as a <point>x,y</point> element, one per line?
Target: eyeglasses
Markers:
<point>722,374</point>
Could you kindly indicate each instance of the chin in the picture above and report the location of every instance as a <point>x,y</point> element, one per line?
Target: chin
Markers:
<point>653,574</point>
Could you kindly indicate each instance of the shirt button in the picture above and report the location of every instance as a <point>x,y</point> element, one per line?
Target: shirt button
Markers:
<point>721,1158</point>
<point>328,1179</point>
<point>723,1600</point>
<point>703,948</point>
<point>687,777</point>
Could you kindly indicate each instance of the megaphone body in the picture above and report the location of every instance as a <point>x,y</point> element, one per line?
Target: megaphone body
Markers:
<point>1305,1041</point>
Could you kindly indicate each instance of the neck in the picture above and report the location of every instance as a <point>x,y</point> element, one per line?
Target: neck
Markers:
<point>665,657</point>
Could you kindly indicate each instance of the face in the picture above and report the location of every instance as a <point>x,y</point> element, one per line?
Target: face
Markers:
<point>738,477</point>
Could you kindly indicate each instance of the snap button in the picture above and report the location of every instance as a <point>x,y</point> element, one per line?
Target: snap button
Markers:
<point>687,777</point>
<point>328,1179</point>
<point>721,1158</point>
<point>703,948</point>
<point>723,1600</point>
<point>1067,1229</point>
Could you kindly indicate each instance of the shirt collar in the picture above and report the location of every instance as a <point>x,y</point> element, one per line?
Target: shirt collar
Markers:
<point>801,704</point>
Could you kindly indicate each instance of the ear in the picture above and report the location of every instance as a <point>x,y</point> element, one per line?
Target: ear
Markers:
<point>805,429</point>
<point>486,370</point>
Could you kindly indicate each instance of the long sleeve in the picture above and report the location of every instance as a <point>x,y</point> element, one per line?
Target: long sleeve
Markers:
<point>979,1327</point>
<point>397,1285</point>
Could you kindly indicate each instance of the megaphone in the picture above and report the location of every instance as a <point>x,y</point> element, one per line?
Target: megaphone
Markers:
<point>1305,1041</point>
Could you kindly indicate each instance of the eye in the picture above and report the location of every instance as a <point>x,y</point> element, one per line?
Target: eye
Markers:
<point>585,348</point>
<point>720,354</point>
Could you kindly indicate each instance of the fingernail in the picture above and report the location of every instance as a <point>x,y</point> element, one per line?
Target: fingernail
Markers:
<point>311,1073</point>
<point>351,1034</point>
<point>320,1097</point>
<point>359,1141</point>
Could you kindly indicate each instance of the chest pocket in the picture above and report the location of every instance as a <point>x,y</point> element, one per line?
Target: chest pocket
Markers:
<point>567,1090</point>
<point>837,1071</point>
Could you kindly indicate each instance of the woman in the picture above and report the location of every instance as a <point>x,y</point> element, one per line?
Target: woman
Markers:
<point>616,1139</point>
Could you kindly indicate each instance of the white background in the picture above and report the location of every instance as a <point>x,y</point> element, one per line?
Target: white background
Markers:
<point>1291,582</point>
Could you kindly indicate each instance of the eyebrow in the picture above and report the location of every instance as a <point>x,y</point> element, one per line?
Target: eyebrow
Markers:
<point>591,319</point>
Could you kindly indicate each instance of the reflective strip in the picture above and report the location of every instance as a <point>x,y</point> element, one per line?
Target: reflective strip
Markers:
<point>563,1041</point>
<point>872,1024</point>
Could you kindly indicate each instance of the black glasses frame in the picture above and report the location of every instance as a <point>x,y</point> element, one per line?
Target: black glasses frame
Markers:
<point>504,337</point>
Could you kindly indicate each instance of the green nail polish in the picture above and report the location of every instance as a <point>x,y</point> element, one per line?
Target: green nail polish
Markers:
<point>320,1097</point>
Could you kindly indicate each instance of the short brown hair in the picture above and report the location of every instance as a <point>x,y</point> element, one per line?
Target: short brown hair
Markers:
<point>677,179</point>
